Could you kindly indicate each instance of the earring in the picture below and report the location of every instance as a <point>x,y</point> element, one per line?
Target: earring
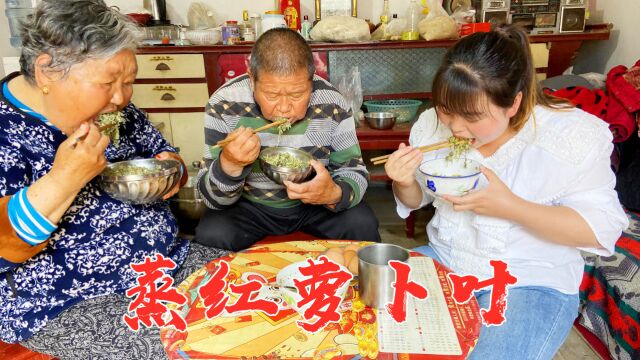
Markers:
<point>45,89</point>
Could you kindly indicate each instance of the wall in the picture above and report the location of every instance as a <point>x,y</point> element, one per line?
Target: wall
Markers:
<point>232,10</point>
<point>5,47</point>
<point>621,49</point>
<point>598,56</point>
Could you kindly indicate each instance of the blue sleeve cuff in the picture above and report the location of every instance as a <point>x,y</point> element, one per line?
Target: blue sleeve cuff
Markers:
<point>28,223</point>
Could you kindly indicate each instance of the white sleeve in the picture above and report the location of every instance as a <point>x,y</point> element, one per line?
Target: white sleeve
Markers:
<point>594,198</point>
<point>426,130</point>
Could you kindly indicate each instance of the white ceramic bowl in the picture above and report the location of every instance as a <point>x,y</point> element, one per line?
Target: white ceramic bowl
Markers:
<point>456,177</point>
<point>285,278</point>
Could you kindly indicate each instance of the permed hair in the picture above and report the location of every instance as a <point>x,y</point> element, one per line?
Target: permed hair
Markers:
<point>281,51</point>
<point>73,31</point>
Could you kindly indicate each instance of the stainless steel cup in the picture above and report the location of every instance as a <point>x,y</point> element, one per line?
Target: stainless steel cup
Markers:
<point>375,275</point>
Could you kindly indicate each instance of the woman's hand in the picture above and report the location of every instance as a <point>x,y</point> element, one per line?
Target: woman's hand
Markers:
<point>240,152</point>
<point>402,165</point>
<point>80,158</point>
<point>495,200</point>
<point>321,190</point>
<point>167,155</point>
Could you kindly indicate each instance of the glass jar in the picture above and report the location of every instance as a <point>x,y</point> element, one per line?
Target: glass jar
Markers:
<point>230,32</point>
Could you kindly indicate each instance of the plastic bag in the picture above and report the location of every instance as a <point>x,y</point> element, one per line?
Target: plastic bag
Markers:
<point>438,25</point>
<point>350,87</point>
<point>341,29</point>
<point>391,31</point>
<point>200,16</point>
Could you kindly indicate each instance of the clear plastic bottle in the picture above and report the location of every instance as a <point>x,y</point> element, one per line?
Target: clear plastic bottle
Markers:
<point>414,13</point>
<point>305,28</point>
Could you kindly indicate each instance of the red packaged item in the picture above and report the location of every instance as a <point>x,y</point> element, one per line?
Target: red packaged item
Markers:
<point>291,11</point>
<point>468,29</point>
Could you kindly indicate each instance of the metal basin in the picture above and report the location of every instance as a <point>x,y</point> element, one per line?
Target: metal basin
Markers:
<point>141,189</point>
<point>380,120</point>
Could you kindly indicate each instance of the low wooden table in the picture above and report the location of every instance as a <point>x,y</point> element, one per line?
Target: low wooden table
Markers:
<point>258,336</point>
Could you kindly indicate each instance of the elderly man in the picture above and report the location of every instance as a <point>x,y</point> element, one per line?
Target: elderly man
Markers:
<point>244,204</point>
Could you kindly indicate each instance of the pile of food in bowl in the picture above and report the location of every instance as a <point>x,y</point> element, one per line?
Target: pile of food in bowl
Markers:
<point>454,174</point>
<point>283,163</point>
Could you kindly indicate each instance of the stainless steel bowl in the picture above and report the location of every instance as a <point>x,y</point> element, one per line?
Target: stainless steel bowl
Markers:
<point>281,174</point>
<point>141,189</point>
<point>380,120</point>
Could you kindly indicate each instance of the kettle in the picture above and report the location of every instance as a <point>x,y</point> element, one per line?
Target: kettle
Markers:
<point>158,10</point>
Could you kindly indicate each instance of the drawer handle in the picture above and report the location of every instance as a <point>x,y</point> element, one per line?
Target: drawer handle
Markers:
<point>161,58</point>
<point>163,88</point>
<point>167,97</point>
<point>162,67</point>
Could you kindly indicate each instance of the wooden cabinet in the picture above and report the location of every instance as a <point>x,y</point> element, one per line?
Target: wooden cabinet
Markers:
<point>172,89</point>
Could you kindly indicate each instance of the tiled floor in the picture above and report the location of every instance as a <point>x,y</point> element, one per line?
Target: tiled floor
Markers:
<point>392,230</point>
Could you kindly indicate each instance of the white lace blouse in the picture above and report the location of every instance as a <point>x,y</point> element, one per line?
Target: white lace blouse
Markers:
<point>559,158</point>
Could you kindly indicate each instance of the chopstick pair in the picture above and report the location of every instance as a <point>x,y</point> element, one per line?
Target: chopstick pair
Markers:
<point>439,145</point>
<point>229,139</point>
<point>101,128</point>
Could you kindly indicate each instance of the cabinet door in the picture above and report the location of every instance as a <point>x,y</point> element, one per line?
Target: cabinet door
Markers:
<point>162,122</point>
<point>188,135</point>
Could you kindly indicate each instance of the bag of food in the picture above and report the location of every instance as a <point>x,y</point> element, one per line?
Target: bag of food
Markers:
<point>438,25</point>
<point>341,29</point>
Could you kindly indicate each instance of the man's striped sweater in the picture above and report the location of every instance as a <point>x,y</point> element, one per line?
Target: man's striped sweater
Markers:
<point>327,132</point>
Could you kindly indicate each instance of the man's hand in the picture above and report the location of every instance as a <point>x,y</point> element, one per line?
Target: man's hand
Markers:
<point>240,152</point>
<point>321,190</point>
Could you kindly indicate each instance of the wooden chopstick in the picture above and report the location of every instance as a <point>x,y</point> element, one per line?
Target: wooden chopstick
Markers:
<point>439,145</point>
<point>227,140</point>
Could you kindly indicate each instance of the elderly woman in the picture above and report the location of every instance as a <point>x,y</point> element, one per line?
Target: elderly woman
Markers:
<point>66,246</point>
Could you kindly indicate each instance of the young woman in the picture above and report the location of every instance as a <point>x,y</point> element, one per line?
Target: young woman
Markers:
<point>547,191</point>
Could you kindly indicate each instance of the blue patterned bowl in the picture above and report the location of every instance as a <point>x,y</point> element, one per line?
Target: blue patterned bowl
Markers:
<point>456,177</point>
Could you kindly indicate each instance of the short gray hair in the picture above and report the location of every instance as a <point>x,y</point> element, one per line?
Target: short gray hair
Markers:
<point>73,31</point>
<point>281,51</point>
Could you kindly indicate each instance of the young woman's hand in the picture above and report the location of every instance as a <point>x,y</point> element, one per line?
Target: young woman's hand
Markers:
<point>402,165</point>
<point>495,200</point>
<point>81,157</point>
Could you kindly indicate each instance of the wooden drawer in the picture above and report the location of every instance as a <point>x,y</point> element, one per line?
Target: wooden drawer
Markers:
<point>149,96</point>
<point>167,66</point>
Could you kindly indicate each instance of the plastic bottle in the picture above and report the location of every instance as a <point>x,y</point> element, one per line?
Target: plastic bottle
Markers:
<point>305,28</point>
<point>414,13</point>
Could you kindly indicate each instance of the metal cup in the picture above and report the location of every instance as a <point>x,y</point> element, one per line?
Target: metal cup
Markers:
<point>375,276</point>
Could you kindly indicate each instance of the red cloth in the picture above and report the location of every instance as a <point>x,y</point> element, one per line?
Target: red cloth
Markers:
<point>617,106</point>
<point>624,100</point>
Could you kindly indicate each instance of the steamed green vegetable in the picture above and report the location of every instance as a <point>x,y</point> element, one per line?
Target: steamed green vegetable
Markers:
<point>125,170</point>
<point>116,119</point>
<point>286,160</point>
<point>459,146</point>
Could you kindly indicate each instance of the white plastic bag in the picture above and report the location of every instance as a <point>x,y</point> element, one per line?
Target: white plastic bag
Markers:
<point>200,16</point>
<point>350,87</point>
<point>341,29</point>
<point>438,25</point>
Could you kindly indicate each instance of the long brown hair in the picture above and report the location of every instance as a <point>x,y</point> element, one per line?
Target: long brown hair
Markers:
<point>493,66</point>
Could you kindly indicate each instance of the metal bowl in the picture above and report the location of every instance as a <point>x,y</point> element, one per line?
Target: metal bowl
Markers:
<point>141,189</point>
<point>380,120</point>
<point>280,174</point>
